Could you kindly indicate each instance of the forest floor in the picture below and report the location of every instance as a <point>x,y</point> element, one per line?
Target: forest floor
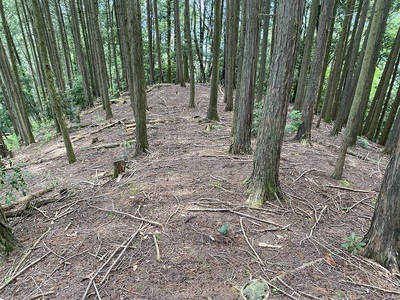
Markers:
<point>154,233</point>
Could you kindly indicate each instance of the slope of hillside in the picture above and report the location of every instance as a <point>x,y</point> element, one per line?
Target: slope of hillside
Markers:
<point>176,226</point>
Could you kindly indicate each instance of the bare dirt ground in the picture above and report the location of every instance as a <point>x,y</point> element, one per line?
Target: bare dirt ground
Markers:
<point>154,233</point>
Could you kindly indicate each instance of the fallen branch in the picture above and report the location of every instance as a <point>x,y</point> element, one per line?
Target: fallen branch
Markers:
<point>174,213</point>
<point>358,202</point>
<point>248,243</point>
<point>236,213</point>
<point>304,173</point>
<point>280,290</point>
<point>22,271</point>
<point>29,251</point>
<point>318,218</point>
<point>26,209</point>
<point>128,215</point>
<point>106,146</point>
<point>373,287</point>
<point>122,253</point>
<point>157,121</point>
<point>27,198</point>
<point>41,295</point>
<point>92,278</point>
<point>303,266</point>
<point>347,189</point>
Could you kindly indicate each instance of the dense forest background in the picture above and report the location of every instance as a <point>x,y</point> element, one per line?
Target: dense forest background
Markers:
<point>89,47</point>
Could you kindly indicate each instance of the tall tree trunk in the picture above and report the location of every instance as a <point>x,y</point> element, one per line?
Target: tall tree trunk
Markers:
<point>382,238</point>
<point>199,50</point>
<point>355,61</point>
<point>231,32</point>
<point>178,42</point>
<point>327,11</point>
<point>371,122</point>
<point>394,134</point>
<point>158,43</point>
<point>80,56</point>
<point>137,77</point>
<point>378,23</point>
<point>332,89</point>
<point>264,48</point>
<point>245,103</point>
<point>390,119</point>
<point>150,40</point>
<point>64,41</point>
<point>98,49</point>
<point>212,113</point>
<point>14,83</point>
<point>52,45</point>
<point>169,64</point>
<point>264,182</point>
<point>188,41</point>
<point>50,82</point>
<point>306,59</point>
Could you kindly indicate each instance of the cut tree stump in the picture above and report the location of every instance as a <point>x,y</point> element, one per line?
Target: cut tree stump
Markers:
<point>119,167</point>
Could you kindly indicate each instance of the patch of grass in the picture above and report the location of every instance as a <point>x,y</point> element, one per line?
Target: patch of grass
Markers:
<point>354,243</point>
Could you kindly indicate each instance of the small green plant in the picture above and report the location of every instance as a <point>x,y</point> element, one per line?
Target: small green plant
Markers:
<point>345,182</point>
<point>295,122</point>
<point>363,142</point>
<point>224,229</point>
<point>12,180</point>
<point>340,294</point>
<point>354,243</point>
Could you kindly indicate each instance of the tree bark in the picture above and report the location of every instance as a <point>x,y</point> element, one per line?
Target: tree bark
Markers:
<point>178,42</point>
<point>355,61</point>
<point>158,43</point>
<point>231,32</point>
<point>382,238</point>
<point>264,182</point>
<point>80,56</point>
<point>378,23</point>
<point>188,40</point>
<point>150,40</point>
<point>50,83</point>
<point>389,122</point>
<point>263,54</point>
<point>212,113</point>
<point>315,82</point>
<point>245,103</point>
<point>306,59</point>
<point>371,122</point>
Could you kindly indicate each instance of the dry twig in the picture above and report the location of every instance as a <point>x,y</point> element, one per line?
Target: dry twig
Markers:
<point>236,213</point>
<point>128,215</point>
<point>248,243</point>
<point>22,271</point>
<point>30,251</point>
<point>347,189</point>
<point>374,287</point>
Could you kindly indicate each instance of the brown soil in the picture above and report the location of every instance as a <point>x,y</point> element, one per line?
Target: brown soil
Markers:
<point>191,186</point>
